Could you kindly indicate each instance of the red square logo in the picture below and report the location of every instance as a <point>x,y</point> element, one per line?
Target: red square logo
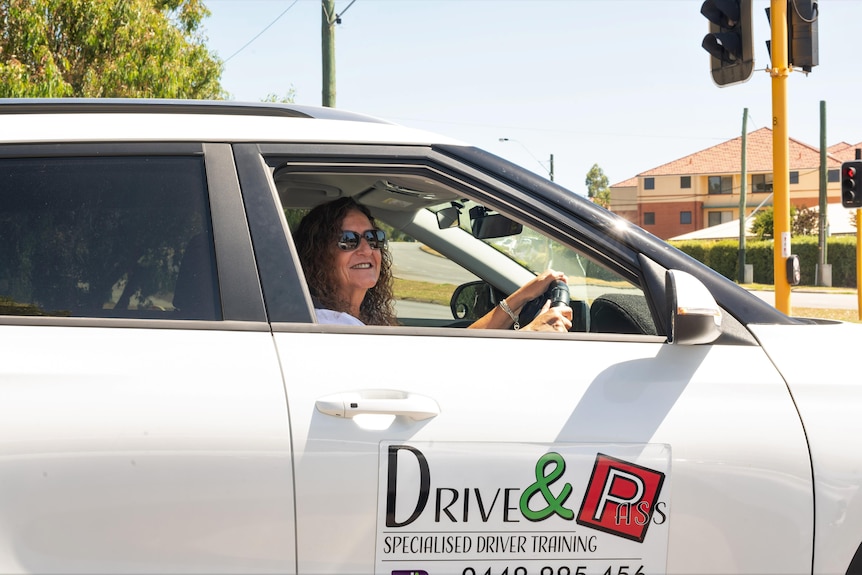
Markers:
<point>621,498</point>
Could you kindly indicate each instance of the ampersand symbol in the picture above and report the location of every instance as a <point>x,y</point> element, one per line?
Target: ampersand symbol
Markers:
<point>543,480</point>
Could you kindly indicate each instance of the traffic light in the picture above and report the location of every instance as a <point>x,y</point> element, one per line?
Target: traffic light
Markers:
<point>851,194</point>
<point>802,33</point>
<point>729,41</point>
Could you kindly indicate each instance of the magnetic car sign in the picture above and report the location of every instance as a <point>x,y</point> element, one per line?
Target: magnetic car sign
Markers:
<point>519,509</point>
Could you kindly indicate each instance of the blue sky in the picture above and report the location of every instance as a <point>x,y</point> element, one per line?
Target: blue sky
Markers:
<point>623,84</point>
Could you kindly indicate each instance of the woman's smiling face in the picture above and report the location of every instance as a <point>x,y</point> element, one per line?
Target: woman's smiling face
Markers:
<point>358,270</point>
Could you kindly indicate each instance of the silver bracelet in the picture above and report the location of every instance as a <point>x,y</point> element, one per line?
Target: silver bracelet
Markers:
<point>505,307</point>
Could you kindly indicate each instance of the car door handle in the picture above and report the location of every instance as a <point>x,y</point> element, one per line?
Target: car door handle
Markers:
<point>378,401</point>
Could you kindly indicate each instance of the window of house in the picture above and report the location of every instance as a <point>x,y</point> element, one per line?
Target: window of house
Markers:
<point>685,182</point>
<point>833,175</point>
<point>649,218</point>
<point>720,184</point>
<point>649,183</point>
<point>122,237</point>
<point>685,218</point>
<point>761,183</point>
<point>715,217</point>
<point>794,177</point>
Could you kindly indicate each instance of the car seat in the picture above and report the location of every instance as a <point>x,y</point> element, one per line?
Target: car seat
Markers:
<point>621,313</point>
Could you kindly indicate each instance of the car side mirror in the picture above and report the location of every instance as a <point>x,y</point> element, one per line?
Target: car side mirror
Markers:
<point>694,315</point>
<point>471,301</point>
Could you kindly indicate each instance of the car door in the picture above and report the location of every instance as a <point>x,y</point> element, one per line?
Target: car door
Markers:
<point>446,450</point>
<point>143,423</point>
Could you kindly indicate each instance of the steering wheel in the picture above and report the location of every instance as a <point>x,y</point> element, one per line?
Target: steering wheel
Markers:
<point>558,293</point>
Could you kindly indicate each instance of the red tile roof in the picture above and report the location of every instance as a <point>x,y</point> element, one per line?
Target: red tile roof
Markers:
<point>725,158</point>
<point>630,183</point>
<point>846,152</point>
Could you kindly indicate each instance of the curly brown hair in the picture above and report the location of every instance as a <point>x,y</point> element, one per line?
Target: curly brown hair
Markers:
<point>315,240</point>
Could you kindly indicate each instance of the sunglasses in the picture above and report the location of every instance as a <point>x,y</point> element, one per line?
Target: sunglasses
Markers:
<point>349,241</point>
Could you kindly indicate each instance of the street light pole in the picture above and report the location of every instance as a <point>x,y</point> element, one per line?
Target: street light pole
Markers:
<point>550,163</point>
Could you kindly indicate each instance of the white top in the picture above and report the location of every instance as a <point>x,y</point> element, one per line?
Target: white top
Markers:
<point>332,316</point>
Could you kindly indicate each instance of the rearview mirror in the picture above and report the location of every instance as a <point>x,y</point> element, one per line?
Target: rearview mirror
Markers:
<point>487,226</point>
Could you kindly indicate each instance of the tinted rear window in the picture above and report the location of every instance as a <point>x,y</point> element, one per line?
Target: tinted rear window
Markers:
<point>106,237</point>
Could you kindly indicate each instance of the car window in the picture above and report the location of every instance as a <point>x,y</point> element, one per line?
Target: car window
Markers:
<point>106,237</point>
<point>602,301</point>
<point>444,276</point>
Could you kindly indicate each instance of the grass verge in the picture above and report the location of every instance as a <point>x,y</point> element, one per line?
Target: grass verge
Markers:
<point>850,315</point>
<point>425,292</point>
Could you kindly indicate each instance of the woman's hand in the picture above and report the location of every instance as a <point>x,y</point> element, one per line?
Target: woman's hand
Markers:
<point>551,319</point>
<point>556,319</point>
<point>534,288</point>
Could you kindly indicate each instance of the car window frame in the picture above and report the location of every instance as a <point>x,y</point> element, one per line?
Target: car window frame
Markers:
<point>274,245</point>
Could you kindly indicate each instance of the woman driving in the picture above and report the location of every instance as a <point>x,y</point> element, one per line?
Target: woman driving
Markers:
<point>349,273</point>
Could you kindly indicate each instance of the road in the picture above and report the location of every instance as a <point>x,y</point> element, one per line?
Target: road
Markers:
<point>801,297</point>
<point>413,263</point>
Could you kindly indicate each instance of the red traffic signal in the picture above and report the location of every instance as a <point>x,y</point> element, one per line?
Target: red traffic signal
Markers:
<point>851,194</point>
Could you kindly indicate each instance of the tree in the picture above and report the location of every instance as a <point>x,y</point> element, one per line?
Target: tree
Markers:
<point>288,98</point>
<point>106,48</point>
<point>597,187</point>
<point>763,224</point>
<point>806,222</point>
<point>803,222</point>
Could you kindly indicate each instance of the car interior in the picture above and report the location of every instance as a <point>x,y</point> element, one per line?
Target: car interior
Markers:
<point>487,255</point>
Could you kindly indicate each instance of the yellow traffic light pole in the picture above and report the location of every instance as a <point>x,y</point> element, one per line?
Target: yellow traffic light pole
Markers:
<point>859,264</point>
<point>780,154</point>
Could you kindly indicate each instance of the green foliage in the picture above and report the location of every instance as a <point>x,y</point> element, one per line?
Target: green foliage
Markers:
<point>695,248</point>
<point>294,216</point>
<point>106,48</point>
<point>287,98</point>
<point>723,257</point>
<point>763,225</point>
<point>841,254</point>
<point>803,222</point>
<point>597,186</point>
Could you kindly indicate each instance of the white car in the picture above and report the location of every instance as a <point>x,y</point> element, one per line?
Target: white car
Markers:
<point>169,404</point>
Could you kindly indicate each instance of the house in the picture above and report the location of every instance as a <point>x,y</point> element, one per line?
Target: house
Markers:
<point>840,222</point>
<point>703,189</point>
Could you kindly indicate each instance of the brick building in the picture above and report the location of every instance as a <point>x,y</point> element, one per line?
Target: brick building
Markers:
<point>703,189</point>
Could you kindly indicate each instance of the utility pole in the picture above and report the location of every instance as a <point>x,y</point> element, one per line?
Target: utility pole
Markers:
<point>328,19</point>
<point>824,271</point>
<point>549,169</point>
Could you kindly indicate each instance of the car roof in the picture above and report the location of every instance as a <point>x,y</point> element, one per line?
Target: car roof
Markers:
<point>135,120</point>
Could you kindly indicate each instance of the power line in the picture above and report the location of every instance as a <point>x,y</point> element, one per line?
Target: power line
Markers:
<point>268,26</point>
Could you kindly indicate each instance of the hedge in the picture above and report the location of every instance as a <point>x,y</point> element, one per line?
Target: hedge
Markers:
<point>723,257</point>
